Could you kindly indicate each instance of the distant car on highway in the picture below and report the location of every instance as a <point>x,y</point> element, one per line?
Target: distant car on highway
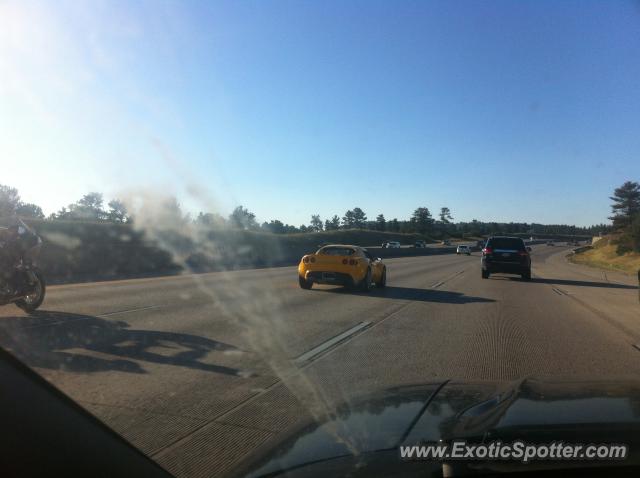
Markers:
<point>446,242</point>
<point>550,243</point>
<point>391,245</point>
<point>463,249</point>
<point>506,254</point>
<point>347,265</point>
<point>420,244</point>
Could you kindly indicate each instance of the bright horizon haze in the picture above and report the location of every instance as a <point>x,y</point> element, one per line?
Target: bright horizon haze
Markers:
<point>502,111</point>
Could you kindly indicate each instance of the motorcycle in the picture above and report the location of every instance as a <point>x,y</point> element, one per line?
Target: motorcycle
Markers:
<point>24,285</point>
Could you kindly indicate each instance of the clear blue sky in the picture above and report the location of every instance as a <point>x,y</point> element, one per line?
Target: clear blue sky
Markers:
<point>505,111</point>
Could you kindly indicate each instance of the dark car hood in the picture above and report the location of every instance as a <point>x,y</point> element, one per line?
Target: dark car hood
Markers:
<point>364,437</point>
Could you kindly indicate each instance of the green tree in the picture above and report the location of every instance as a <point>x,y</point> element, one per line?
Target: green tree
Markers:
<point>9,200</point>
<point>29,210</point>
<point>171,214</point>
<point>275,226</point>
<point>381,223</point>
<point>359,218</point>
<point>445,215</point>
<point>242,218</point>
<point>393,225</point>
<point>210,219</point>
<point>332,224</point>
<point>61,214</point>
<point>88,208</point>
<point>476,228</point>
<point>626,204</point>
<point>92,200</point>
<point>348,220</point>
<point>10,204</point>
<point>421,220</point>
<point>316,223</point>
<point>355,218</point>
<point>117,211</point>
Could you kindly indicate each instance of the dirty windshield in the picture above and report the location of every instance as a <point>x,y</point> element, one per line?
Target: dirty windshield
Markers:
<point>272,236</point>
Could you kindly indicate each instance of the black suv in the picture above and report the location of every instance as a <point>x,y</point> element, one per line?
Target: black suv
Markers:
<point>506,254</point>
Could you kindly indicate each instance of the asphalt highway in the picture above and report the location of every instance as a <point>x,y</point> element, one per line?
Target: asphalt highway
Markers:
<point>199,370</point>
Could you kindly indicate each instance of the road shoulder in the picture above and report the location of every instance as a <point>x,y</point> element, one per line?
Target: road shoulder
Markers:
<point>611,295</point>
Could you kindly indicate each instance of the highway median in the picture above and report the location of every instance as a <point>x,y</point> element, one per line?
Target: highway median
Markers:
<point>81,251</point>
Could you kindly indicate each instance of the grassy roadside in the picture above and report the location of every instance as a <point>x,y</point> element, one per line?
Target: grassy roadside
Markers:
<point>604,256</point>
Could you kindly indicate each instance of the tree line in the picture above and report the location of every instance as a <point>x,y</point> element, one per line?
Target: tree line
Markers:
<point>626,217</point>
<point>91,207</point>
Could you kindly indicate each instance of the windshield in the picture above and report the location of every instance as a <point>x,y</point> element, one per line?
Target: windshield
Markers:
<point>336,251</point>
<point>245,219</point>
<point>506,243</point>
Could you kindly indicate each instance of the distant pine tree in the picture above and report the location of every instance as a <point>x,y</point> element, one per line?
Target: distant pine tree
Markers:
<point>626,204</point>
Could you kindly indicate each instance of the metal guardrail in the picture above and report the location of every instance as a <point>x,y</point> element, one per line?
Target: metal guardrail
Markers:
<point>535,242</point>
<point>578,250</point>
<point>410,251</point>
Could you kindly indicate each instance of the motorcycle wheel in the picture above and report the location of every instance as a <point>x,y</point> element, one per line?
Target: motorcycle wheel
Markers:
<point>32,301</point>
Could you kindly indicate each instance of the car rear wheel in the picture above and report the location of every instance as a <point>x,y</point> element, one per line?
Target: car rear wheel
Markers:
<point>365,285</point>
<point>34,299</point>
<point>526,275</point>
<point>383,278</point>
<point>485,274</point>
<point>304,283</point>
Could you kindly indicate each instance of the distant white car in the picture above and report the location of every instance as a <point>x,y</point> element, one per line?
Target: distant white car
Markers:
<point>393,245</point>
<point>462,249</point>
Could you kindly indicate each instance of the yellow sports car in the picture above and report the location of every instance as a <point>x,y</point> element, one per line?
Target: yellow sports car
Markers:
<point>351,266</point>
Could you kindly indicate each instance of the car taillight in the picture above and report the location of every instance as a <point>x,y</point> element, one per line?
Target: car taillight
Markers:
<point>305,260</point>
<point>523,253</point>
<point>345,262</point>
<point>487,250</point>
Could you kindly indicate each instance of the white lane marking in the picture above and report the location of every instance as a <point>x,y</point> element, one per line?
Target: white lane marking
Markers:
<point>126,311</point>
<point>314,352</point>
<point>447,279</point>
